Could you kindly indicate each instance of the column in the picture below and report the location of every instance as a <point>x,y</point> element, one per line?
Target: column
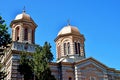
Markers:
<point>76,73</point>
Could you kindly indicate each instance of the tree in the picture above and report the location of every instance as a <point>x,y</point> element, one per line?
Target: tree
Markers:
<point>37,64</point>
<point>41,59</point>
<point>4,35</point>
<point>24,67</point>
<point>4,40</point>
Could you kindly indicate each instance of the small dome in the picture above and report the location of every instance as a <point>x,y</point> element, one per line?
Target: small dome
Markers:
<point>23,15</point>
<point>69,29</point>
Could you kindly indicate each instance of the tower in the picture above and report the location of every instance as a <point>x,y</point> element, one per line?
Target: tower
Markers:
<point>70,44</point>
<point>23,28</point>
<point>23,39</point>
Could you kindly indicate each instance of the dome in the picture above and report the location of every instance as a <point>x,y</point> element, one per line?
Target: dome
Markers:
<point>69,30</point>
<point>23,15</point>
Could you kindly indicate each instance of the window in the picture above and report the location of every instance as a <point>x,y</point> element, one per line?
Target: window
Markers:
<point>17,33</point>
<point>77,48</point>
<point>65,49</point>
<point>68,45</point>
<point>26,34</point>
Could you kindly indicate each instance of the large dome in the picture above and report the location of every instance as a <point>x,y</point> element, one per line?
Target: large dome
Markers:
<point>23,16</point>
<point>69,30</point>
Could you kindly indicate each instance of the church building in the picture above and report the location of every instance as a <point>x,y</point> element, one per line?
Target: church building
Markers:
<point>71,63</point>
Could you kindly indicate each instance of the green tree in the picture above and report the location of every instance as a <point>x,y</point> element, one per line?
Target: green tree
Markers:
<point>24,67</point>
<point>4,40</point>
<point>4,35</point>
<point>41,59</point>
<point>37,64</point>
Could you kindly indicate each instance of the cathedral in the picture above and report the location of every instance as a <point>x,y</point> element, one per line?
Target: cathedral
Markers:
<point>71,63</point>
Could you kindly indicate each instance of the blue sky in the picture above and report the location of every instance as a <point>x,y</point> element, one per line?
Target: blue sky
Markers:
<point>98,20</point>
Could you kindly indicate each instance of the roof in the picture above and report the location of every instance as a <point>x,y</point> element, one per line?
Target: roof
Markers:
<point>69,30</point>
<point>23,15</point>
<point>84,61</point>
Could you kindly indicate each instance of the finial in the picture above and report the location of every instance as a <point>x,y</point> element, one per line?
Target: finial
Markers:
<point>24,9</point>
<point>68,22</point>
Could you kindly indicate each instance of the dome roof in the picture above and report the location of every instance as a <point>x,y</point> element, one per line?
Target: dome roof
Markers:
<point>24,18</point>
<point>23,15</point>
<point>69,30</point>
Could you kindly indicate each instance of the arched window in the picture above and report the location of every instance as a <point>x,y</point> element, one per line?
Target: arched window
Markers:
<point>76,48</point>
<point>65,51</point>
<point>66,48</point>
<point>79,48</point>
<point>68,45</point>
<point>17,33</point>
<point>26,34</point>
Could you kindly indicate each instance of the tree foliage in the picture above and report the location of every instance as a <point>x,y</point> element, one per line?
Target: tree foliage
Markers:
<point>24,67</point>
<point>38,64</point>
<point>4,35</point>
<point>4,40</point>
<point>41,59</point>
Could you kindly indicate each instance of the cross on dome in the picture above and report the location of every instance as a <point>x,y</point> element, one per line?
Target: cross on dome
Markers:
<point>24,9</point>
<point>68,21</point>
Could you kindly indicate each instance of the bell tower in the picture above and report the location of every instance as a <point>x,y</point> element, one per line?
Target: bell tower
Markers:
<point>23,28</point>
<point>23,40</point>
<point>70,44</point>
<point>23,33</point>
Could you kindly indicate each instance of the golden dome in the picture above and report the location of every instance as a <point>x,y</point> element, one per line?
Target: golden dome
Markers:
<point>23,16</point>
<point>69,30</point>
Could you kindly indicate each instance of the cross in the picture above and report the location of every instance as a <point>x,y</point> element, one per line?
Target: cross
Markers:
<point>24,9</point>
<point>68,22</point>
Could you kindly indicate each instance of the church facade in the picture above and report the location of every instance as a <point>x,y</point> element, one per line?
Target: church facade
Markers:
<point>71,63</point>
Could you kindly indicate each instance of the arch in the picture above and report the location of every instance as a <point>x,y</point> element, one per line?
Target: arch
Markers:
<point>77,48</point>
<point>17,33</point>
<point>68,47</point>
<point>67,39</point>
<point>26,34</point>
<point>65,46</point>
